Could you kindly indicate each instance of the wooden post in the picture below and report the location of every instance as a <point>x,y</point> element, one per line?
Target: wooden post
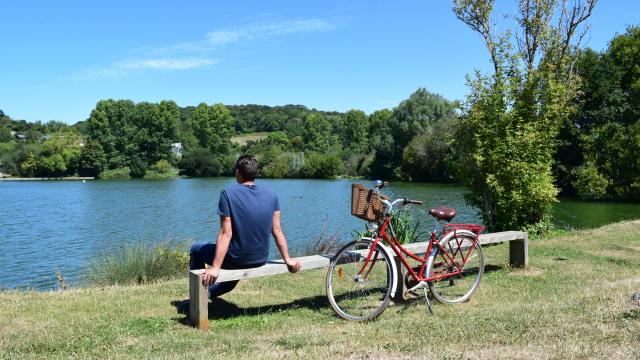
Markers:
<point>519,252</point>
<point>198,301</point>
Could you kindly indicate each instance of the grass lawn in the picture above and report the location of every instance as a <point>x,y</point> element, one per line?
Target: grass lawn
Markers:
<point>574,301</point>
<point>242,139</point>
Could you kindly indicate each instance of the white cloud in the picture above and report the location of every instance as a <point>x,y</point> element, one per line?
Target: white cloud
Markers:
<point>122,68</point>
<point>165,64</point>
<point>195,54</point>
<point>265,30</point>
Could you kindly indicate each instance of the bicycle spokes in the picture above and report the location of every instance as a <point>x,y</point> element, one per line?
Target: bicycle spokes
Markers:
<point>456,269</point>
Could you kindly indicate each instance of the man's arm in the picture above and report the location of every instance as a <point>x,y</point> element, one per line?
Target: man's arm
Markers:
<point>281,242</point>
<point>222,245</point>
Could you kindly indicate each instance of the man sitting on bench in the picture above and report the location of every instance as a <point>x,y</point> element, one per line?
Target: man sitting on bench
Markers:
<point>248,215</point>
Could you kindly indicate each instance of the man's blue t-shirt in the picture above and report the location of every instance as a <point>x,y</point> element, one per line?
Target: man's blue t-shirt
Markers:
<point>251,209</point>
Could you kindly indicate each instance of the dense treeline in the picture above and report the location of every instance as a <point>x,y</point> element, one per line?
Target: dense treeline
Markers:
<point>597,157</point>
<point>39,149</point>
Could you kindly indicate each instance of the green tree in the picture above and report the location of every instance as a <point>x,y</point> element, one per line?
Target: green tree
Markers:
<point>513,116</point>
<point>600,137</point>
<point>391,133</point>
<point>356,131</point>
<point>92,160</point>
<point>278,138</point>
<point>384,165</point>
<point>29,166</point>
<point>416,114</point>
<point>51,166</point>
<point>317,130</point>
<point>320,166</point>
<point>5,134</point>
<point>212,126</point>
<point>158,128</point>
<point>427,156</point>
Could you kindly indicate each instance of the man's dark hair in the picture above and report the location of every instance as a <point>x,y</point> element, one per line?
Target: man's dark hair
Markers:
<point>247,166</point>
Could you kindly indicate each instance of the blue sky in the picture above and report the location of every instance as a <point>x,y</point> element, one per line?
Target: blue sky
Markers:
<point>60,57</point>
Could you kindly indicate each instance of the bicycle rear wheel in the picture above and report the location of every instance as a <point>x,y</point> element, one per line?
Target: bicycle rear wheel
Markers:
<point>453,289</point>
<point>359,290</point>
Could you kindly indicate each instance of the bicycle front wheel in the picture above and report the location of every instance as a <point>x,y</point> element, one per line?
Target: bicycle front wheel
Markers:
<point>459,265</point>
<point>359,289</point>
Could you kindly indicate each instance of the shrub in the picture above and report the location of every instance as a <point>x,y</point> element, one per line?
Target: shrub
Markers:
<point>286,165</point>
<point>119,173</point>
<point>162,169</point>
<point>201,162</point>
<point>589,183</point>
<point>162,166</point>
<point>321,166</point>
<point>406,231</point>
<point>139,263</point>
<point>138,167</point>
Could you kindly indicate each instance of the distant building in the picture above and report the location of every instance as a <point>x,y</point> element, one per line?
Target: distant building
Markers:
<point>21,137</point>
<point>176,149</point>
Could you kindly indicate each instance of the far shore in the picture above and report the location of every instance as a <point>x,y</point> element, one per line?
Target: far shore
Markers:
<point>47,178</point>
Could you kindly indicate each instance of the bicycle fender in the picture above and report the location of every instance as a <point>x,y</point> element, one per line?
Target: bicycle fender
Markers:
<point>394,269</point>
<point>457,232</point>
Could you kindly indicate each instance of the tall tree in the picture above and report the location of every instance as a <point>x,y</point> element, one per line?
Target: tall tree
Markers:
<point>92,160</point>
<point>317,130</point>
<point>212,126</point>
<point>599,142</point>
<point>513,116</point>
<point>356,131</point>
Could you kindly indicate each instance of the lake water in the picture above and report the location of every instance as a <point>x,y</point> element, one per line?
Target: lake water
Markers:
<point>62,225</point>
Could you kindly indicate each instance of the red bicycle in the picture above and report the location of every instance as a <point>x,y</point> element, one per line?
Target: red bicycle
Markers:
<point>363,277</point>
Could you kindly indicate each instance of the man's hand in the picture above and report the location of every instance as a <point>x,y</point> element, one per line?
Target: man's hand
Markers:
<point>293,265</point>
<point>210,276</point>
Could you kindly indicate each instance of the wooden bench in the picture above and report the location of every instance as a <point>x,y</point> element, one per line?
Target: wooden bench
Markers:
<point>198,296</point>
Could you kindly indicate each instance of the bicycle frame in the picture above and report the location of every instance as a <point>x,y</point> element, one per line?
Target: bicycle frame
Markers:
<point>403,253</point>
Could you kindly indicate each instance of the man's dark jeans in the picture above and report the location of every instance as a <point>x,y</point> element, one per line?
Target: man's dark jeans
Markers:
<point>203,253</point>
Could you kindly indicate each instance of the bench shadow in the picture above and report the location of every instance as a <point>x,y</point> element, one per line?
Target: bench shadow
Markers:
<point>221,309</point>
<point>492,268</point>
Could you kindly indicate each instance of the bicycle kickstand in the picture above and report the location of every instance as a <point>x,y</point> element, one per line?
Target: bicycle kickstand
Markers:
<point>426,298</point>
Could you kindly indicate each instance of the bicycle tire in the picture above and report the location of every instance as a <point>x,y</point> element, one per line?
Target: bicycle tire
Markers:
<point>458,288</point>
<point>352,297</point>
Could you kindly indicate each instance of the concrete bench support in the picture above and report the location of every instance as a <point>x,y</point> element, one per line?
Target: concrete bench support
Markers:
<point>198,301</point>
<point>519,252</point>
<point>198,296</point>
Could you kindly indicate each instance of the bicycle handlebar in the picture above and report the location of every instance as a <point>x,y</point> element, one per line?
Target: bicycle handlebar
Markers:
<point>409,201</point>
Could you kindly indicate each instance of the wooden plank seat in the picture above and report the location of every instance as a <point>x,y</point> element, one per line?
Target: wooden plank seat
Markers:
<point>198,297</point>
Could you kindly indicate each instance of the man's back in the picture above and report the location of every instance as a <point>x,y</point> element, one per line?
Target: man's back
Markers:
<point>251,209</point>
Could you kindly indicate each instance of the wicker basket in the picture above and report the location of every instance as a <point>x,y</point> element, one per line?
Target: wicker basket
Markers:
<point>366,204</point>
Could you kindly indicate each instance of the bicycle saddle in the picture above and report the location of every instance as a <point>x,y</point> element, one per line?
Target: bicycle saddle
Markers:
<point>443,213</point>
